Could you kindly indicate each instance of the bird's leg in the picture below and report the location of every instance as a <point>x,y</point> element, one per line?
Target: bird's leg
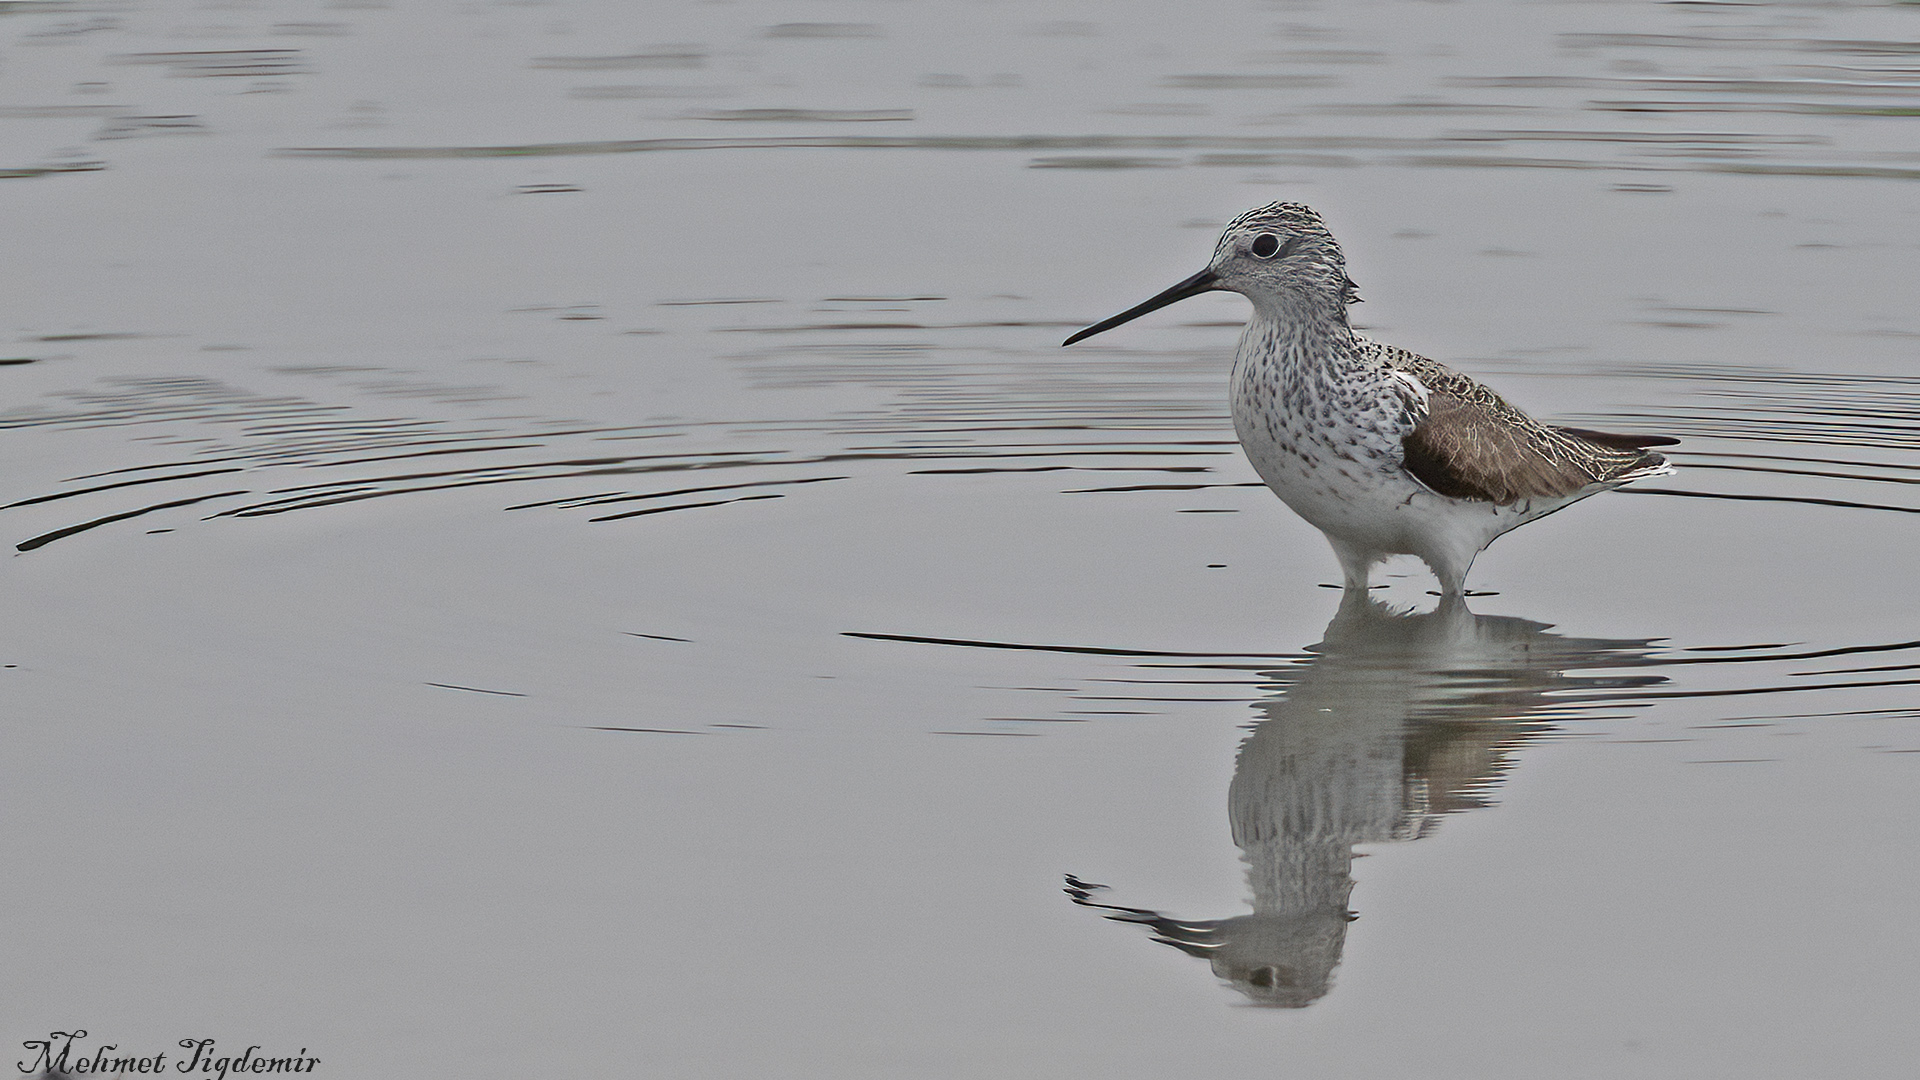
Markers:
<point>1355,563</point>
<point>1452,574</point>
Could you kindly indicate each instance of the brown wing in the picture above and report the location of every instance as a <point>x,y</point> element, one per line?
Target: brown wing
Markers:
<point>1617,440</point>
<point>1464,451</point>
<point>1473,445</point>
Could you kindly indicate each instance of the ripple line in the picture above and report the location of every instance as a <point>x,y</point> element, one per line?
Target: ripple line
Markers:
<point>1089,650</point>
<point>60,534</point>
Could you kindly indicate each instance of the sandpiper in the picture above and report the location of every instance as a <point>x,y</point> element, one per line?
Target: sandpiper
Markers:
<point>1384,451</point>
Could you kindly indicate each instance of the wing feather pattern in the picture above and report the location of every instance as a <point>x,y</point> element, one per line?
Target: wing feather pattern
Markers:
<point>1472,445</point>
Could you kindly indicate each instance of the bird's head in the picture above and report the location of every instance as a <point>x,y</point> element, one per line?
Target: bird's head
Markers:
<point>1278,247</point>
<point>1265,254</point>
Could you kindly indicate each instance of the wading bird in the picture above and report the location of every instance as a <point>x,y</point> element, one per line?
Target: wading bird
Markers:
<point>1386,452</point>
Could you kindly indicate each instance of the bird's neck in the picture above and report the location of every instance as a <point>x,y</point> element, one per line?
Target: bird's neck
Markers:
<point>1304,334</point>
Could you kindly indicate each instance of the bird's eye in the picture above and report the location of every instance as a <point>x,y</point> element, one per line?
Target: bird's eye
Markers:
<point>1265,246</point>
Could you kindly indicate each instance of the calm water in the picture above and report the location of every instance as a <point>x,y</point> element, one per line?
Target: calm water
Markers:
<point>558,539</point>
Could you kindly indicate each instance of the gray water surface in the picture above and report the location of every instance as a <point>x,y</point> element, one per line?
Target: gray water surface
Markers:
<point>559,539</point>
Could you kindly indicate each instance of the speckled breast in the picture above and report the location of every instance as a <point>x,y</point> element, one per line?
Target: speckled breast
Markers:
<point>1326,439</point>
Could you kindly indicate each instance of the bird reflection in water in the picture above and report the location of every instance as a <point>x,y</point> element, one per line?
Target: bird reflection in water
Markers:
<point>1394,720</point>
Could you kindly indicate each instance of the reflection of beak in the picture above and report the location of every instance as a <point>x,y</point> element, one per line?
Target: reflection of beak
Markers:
<point>1193,286</point>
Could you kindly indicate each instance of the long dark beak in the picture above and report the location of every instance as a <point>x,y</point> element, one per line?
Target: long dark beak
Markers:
<point>1193,286</point>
